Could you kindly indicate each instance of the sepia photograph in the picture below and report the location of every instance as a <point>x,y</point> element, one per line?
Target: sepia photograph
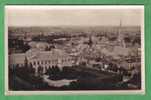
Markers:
<point>74,49</point>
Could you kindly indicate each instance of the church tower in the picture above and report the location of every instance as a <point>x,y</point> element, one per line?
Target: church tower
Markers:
<point>120,36</point>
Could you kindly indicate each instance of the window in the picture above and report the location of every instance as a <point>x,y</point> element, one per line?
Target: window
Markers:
<point>38,62</point>
<point>34,63</point>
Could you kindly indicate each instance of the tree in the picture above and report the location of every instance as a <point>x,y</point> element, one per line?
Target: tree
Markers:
<point>31,69</point>
<point>40,70</point>
<point>25,47</point>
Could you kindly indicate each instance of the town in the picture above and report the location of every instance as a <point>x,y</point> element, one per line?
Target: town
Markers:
<point>75,58</point>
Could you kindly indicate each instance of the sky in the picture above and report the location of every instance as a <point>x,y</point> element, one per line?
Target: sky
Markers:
<point>74,15</point>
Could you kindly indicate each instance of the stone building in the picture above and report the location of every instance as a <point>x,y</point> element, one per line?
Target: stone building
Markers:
<point>44,59</point>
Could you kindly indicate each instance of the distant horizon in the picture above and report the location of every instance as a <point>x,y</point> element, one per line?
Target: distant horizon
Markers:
<point>49,29</point>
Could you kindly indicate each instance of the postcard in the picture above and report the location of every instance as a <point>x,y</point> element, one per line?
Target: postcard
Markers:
<point>74,49</point>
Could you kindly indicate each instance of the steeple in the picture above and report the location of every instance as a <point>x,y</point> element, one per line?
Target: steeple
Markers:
<point>119,32</point>
<point>120,35</point>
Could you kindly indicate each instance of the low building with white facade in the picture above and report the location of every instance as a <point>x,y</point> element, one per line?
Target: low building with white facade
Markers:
<point>44,59</point>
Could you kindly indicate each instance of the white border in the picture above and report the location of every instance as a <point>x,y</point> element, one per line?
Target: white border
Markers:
<point>59,7</point>
<point>76,92</point>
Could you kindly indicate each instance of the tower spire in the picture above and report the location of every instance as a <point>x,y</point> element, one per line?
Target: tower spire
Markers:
<point>119,31</point>
<point>120,35</point>
<point>120,23</point>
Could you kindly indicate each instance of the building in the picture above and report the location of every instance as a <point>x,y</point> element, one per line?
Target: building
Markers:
<point>39,45</point>
<point>44,59</point>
